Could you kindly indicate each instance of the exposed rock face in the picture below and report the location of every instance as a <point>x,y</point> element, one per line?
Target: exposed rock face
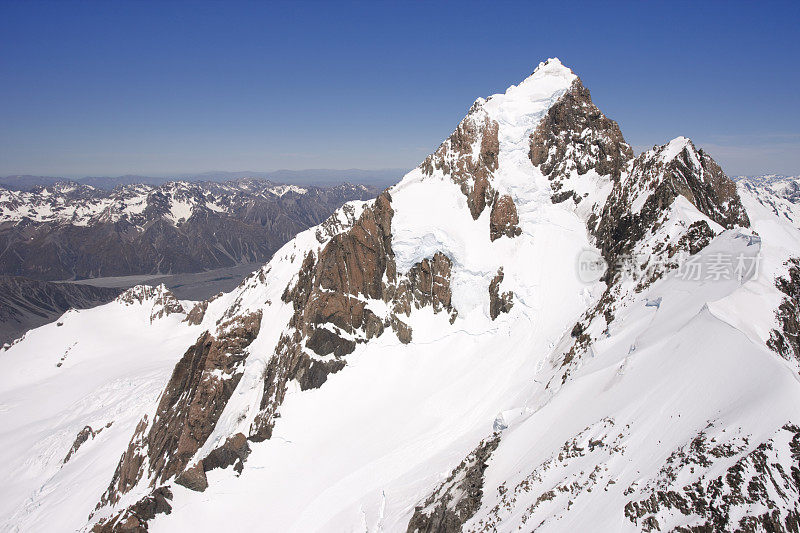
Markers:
<point>134,519</point>
<point>499,303</point>
<point>163,301</point>
<point>504,219</point>
<point>233,452</point>
<point>427,283</point>
<point>636,230</point>
<point>331,289</point>
<point>72,231</point>
<point>759,492</point>
<point>289,362</point>
<point>576,136</point>
<point>785,340</point>
<point>656,179</point>
<point>193,400</point>
<point>457,499</point>
<point>455,158</point>
<point>331,315</point>
<point>196,314</point>
<point>639,206</point>
<point>26,303</point>
<point>83,435</point>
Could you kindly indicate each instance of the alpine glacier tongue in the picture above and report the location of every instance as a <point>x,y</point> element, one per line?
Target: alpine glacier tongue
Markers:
<point>432,361</point>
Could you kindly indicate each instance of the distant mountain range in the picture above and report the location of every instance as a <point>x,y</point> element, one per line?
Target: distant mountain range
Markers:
<point>71,230</point>
<point>381,178</point>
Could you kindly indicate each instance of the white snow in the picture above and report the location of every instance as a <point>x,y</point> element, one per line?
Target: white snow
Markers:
<point>280,190</point>
<point>114,365</point>
<point>180,210</point>
<point>674,148</point>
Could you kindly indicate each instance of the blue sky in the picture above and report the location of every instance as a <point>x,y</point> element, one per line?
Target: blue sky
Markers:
<point>109,88</point>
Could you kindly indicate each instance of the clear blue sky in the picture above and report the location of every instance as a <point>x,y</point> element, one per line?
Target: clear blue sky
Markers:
<point>109,88</point>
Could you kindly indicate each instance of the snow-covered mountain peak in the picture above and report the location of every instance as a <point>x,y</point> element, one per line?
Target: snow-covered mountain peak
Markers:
<point>552,64</point>
<point>455,303</point>
<point>522,106</point>
<point>671,150</point>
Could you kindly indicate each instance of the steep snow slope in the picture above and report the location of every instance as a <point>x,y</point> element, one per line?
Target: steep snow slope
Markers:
<point>665,375</point>
<point>437,359</point>
<point>99,368</point>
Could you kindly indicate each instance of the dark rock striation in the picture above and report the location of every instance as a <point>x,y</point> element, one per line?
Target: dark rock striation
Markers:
<point>785,340</point>
<point>504,220</point>
<point>499,303</point>
<point>193,400</point>
<point>575,136</point>
<point>458,498</point>
<point>759,492</point>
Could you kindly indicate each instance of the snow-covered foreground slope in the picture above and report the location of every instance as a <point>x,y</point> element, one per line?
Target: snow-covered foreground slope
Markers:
<point>99,367</point>
<point>533,330</point>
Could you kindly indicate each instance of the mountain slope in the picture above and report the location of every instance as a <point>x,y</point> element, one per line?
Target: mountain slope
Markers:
<point>27,303</point>
<point>438,360</point>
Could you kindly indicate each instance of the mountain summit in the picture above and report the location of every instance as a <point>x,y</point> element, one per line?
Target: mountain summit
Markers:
<point>435,359</point>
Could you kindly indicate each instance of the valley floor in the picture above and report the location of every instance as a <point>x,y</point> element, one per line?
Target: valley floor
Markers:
<point>194,286</point>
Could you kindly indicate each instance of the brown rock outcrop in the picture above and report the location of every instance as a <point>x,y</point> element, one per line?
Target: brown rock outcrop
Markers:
<point>234,451</point>
<point>655,179</point>
<point>454,158</point>
<point>134,519</point>
<point>200,386</point>
<point>458,498</point>
<point>330,311</point>
<point>83,435</point>
<point>193,478</point>
<point>504,219</point>
<point>197,313</point>
<point>619,229</point>
<point>330,289</point>
<point>330,296</point>
<point>427,283</point>
<point>499,303</point>
<point>785,340</point>
<point>576,136</point>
